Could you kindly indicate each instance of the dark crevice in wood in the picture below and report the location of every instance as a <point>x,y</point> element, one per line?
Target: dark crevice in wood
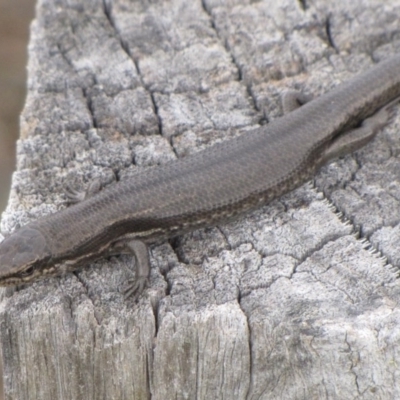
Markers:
<point>232,56</point>
<point>90,109</point>
<point>125,47</point>
<point>303,4</point>
<point>329,34</point>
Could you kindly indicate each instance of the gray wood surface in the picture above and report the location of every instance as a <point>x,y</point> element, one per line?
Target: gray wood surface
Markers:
<point>299,300</point>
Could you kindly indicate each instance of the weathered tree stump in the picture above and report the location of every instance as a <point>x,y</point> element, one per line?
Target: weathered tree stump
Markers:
<point>296,300</point>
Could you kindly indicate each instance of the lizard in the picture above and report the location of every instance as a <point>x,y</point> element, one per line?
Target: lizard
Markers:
<point>206,188</point>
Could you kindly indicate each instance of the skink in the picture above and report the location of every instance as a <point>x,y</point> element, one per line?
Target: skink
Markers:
<point>206,188</point>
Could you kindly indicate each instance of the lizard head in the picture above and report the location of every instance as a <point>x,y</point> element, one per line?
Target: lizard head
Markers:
<point>24,257</point>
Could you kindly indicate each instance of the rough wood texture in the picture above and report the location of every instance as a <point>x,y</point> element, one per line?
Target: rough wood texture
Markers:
<point>291,302</point>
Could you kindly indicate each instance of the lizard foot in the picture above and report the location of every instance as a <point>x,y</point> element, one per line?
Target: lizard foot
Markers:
<point>76,196</point>
<point>134,287</point>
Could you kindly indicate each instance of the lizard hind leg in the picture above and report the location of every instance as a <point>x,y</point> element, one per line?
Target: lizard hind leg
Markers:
<point>356,138</point>
<point>292,100</point>
<point>76,196</point>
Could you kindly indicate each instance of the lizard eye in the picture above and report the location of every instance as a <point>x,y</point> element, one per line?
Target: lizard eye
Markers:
<point>28,271</point>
